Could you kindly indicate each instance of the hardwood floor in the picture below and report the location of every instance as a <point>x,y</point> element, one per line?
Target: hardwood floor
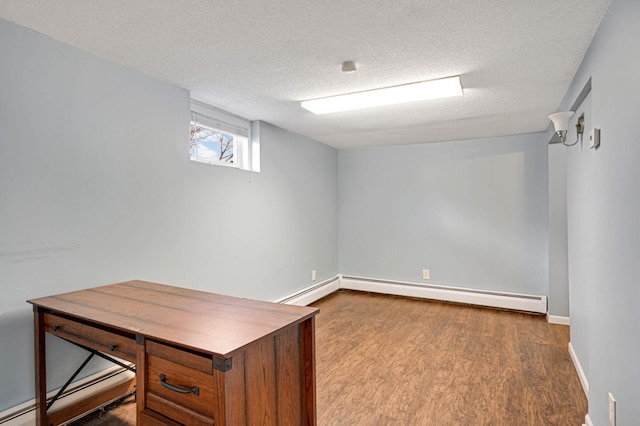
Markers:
<point>120,413</point>
<point>393,360</point>
<point>386,360</point>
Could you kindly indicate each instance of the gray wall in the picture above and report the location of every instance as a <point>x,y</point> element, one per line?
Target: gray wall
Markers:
<point>578,167</point>
<point>603,210</point>
<point>96,187</point>
<point>558,245</point>
<point>473,212</point>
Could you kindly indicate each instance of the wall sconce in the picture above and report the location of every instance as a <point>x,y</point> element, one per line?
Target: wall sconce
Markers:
<point>561,124</point>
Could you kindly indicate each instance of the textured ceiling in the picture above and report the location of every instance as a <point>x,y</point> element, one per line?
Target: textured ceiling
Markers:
<point>258,59</point>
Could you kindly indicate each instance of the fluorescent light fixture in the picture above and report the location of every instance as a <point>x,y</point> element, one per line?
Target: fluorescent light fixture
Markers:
<point>412,92</point>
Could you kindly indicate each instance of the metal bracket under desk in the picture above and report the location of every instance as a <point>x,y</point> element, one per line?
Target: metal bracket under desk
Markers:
<point>44,415</point>
<point>92,353</point>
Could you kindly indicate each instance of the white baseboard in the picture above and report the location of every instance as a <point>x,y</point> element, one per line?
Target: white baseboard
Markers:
<point>557,319</point>
<point>587,421</point>
<point>25,413</point>
<point>583,378</point>
<point>513,301</point>
<point>312,293</point>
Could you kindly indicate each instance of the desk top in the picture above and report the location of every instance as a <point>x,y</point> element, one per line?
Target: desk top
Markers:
<point>206,322</point>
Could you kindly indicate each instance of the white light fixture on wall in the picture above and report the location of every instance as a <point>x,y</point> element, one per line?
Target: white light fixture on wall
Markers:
<point>412,92</point>
<point>561,124</point>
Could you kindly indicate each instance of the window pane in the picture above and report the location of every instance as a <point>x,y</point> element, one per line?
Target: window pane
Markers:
<point>212,146</point>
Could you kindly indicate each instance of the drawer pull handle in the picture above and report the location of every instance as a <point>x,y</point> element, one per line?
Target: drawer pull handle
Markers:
<point>163,380</point>
<point>56,327</point>
<point>113,347</point>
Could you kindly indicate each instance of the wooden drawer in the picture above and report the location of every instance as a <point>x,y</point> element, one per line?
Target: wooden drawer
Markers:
<point>181,385</point>
<point>111,343</point>
<point>149,418</point>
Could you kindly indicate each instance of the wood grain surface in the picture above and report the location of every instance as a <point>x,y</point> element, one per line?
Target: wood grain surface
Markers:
<point>175,315</point>
<point>385,360</point>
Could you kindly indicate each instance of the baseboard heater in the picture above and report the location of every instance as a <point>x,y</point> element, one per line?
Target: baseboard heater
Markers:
<point>25,414</point>
<point>494,299</point>
<point>312,293</point>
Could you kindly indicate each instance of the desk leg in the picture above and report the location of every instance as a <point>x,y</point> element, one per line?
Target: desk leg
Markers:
<point>141,378</point>
<point>40,367</point>
<point>308,349</point>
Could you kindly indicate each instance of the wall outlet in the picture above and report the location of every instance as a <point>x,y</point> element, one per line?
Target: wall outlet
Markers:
<point>425,274</point>
<point>313,275</point>
<point>612,410</point>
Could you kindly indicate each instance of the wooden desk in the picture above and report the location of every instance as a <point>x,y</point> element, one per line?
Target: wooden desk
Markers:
<point>201,358</point>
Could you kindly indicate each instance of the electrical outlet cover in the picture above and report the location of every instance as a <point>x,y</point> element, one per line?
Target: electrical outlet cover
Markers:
<point>612,410</point>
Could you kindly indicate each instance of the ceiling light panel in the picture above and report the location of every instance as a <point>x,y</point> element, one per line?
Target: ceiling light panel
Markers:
<point>412,92</point>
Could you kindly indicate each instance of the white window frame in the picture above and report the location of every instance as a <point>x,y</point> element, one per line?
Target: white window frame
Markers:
<point>246,143</point>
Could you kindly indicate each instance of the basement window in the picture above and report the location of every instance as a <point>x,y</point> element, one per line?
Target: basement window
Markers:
<point>220,138</point>
<point>213,146</point>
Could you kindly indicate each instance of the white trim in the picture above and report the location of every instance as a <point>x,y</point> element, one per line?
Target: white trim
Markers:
<point>218,114</point>
<point>494,299</point>
<point>25,414</point>
<point>312,293</point>
<point>557,319</point>
<point>587,421</point>
<point>576,363</point>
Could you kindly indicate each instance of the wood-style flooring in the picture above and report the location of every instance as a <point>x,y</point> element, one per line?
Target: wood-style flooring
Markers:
<point>385,360</point>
